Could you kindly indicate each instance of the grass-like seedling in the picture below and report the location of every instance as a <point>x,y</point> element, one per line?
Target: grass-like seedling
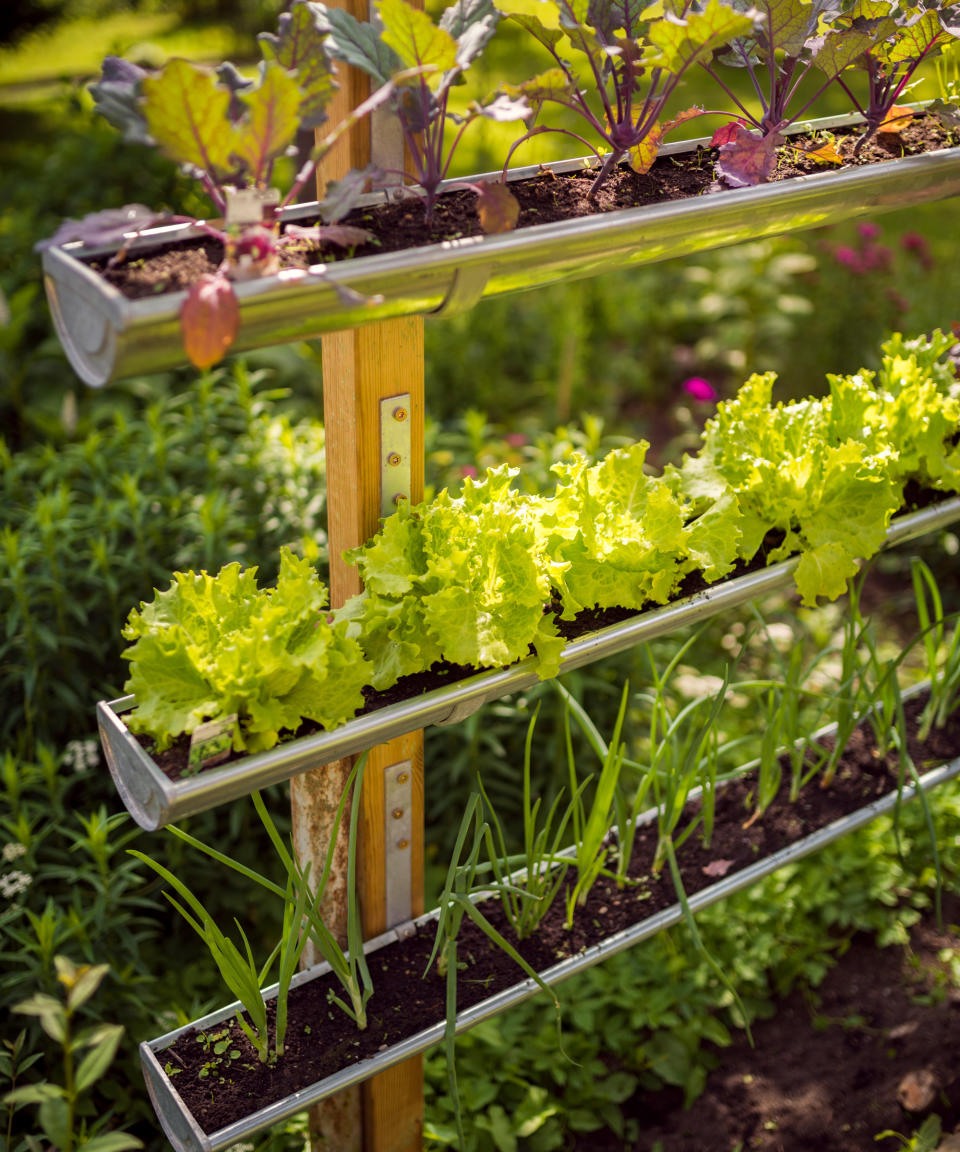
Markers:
<point>941,649</point>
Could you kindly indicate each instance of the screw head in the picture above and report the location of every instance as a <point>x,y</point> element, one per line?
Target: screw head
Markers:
<point>397,813</point>
<point>393,459</point>
<point>403,843</point>
<point>400,414</point>
<point>403,777</point>
<point>400,497</point>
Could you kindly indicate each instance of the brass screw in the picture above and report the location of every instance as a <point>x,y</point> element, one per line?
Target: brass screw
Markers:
<point>403,778</point>
<point>403,843</point>
<point>397,813</point>
<point>399,496</point>
<point>400,414</point>
<point>394,459</point>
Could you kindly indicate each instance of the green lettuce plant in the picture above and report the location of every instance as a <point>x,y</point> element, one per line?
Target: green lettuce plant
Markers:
<point>212,647</point>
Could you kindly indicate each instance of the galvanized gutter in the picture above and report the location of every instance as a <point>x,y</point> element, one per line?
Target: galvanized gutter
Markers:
<point>185,1134</point>
<point>106,336</point>
<point>153,799</point>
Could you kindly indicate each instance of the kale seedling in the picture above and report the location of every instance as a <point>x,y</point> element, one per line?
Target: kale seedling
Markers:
<point>636,62</point>
<point>789,40</point>
<point>229,131</point>
<point>906,38</point>
<point>405,39</point>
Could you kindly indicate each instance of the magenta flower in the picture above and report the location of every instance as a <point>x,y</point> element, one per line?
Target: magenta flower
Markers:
<point>916,244</point>
<point>848,257</point>
<point>700,390</point>
<point>869,230</point>
<point>515,439</point>
<point>468,470</point>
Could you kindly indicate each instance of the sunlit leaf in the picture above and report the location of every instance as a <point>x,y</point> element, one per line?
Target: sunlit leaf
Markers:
<point>896,119</point>
<point>825,153</point>
<point>299,48</point>
<point>187,114</point>
<point>680,43</point>
<point>643,155</point>
<point>554,84</point>
<point>270,124</point>
<point>416,40</point>
<point>497,208</point>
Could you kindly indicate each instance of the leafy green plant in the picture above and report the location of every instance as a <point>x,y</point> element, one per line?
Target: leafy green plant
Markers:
<point>637,58</point>
<point>57,1114</point>
<point>195,646</point>
<point>425,61</point>
<point>230,131</point>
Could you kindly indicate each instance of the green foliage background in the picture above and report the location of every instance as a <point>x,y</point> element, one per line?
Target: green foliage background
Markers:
<point>105,494</point>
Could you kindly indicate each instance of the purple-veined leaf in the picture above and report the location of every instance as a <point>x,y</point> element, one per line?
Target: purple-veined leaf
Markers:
<point>610,16</point>
<point>343,235</point>
<point>270,122</point>
<point>342,196</point>
<point>209,320</point>
<point>682,117</point>
<point>840,48</point>
<point>788,24</point>
<point>726,133</point>
<point>497,208</point>
<point>680,43</point>
<point>642,155</point>
<point>748,159</point>
<point>188,115</point>
<point>915,40</point>
<point>106,227</point>
<point>117,98</point>
<point>417,41</point>
<point>299,47</point>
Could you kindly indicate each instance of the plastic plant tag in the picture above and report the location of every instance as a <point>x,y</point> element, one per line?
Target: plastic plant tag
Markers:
<point>249,205</point>
<point>212,742</point>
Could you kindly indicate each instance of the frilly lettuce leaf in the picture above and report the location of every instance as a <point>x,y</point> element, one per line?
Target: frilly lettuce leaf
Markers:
<point>210,646</point>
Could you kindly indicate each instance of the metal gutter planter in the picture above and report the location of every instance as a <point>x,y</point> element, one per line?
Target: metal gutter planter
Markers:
<point>185,1134</point>
<point>153,799</point>
<point>107,336</point>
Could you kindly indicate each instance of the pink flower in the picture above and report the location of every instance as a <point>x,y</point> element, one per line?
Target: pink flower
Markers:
<point>468,470</point>
<point>699,389</point>
<point>515,439</point>
<point>917,244</point>
<point>848,257</point>
<point>868,230</point>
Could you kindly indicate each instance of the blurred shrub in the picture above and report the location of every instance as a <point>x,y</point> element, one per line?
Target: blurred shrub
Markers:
<point>87,531</point>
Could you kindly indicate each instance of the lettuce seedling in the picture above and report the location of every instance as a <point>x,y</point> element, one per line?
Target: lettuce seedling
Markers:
<point>636,61</point>
<point>229,131</point>
<point>789,40</point>
<point>405,39</point>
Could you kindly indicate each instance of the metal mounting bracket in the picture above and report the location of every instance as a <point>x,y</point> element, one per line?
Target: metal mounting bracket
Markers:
<point>395,421</point>
<point>398,837</point>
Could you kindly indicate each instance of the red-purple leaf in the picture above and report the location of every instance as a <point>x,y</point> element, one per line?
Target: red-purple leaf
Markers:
<point>748,159</point>
<point>106,227</point>
<point>724,134</point>
<point>497,208</point>
<point>209,320</point>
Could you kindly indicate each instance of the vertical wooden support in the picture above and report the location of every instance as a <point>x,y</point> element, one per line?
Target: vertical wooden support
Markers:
<point>360,369</point>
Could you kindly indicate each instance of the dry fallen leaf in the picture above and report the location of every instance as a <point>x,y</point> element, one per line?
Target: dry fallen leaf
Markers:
<point>717,867</point>
<point>917,1090</point>
<point>896,120</point>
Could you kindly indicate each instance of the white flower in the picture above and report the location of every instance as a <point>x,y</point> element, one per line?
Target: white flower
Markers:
<point>13,883</point>
<point>13,852</point>
<point>79,755</point>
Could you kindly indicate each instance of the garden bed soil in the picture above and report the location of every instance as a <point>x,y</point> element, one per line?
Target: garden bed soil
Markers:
<point>544,199</point>
<point>320,1038</point>
<point>174,761</point>
<point>827,1072</point>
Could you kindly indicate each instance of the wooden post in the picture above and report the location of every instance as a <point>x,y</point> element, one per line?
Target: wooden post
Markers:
<point>361,368</point>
